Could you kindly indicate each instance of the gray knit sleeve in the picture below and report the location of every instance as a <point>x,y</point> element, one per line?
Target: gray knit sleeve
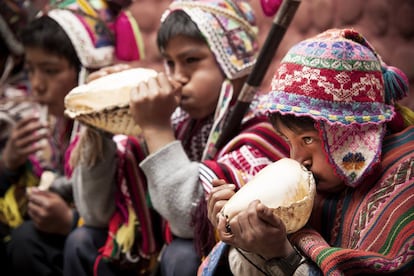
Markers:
<point>173,184</point>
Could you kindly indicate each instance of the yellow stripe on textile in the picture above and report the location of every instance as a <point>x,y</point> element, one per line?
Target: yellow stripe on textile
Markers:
<point>125,235</point>
<point>407,114</point>
<point>87,8</point>
<point>9,209</point>
<point>137,34</point>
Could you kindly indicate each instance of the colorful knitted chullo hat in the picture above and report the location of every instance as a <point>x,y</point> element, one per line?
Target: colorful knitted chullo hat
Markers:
<point>86,25</point>
<point>339,80</point>
<point>229,28</point>
<point>99,35</point>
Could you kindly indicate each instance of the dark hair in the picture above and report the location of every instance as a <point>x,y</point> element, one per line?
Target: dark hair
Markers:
<point>45,33</point>
<point>116,6</point>
<point>177,23</point>
<point>292,122</point>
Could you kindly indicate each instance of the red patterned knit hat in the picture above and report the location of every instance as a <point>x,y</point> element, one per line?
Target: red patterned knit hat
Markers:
<point>229,28</point>
<point>338,79</point>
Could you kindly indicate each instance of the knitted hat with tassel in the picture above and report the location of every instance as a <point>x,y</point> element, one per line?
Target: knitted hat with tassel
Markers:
<point>339,80</point>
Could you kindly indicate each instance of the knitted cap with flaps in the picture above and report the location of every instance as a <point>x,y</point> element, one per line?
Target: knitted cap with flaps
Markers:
<point>98,35</point>
<point>86,27</point>
<point>229,28</point>
<point>338,79</point>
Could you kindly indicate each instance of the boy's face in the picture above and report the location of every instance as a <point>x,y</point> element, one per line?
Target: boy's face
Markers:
<point>307,148</point>
<point>191,63</point>
<point>51,77</point>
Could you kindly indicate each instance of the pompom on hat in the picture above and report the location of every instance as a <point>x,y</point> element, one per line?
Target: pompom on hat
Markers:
<point>229,28</point>
<point>339,80</point>
<point>270,7</point>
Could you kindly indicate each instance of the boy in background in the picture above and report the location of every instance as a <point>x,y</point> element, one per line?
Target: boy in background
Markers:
<point>62,46</point>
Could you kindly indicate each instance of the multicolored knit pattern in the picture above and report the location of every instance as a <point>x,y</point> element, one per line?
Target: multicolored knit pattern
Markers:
<point>339,80</point>
<point>98,35</point>
<point>237,162</point>
<point>229,28</point>
<point>245,155</point>
<point>86,24</point>
<point>331,77</point>
<point>368,230</point>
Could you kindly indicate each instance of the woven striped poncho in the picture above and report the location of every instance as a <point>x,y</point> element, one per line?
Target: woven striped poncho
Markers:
<point>364,231</point>
<point>368,230</point>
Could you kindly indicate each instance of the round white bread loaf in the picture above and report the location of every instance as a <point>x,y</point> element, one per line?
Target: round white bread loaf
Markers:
<point>285,186</point>
<point>104,102</point>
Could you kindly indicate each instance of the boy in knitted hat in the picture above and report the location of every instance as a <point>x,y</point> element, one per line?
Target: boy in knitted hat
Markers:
<point>209,47</point>
<point>61,47</point>
<point>334,102</point>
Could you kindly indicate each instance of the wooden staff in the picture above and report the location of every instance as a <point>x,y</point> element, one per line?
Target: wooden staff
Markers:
<point>278,29</point>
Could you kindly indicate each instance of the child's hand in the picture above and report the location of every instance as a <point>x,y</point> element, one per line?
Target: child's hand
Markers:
<point>256,230</point>
<point>23,141</point>
<point>219,195</point>
<point>49,212</point>
<point>153,102</point>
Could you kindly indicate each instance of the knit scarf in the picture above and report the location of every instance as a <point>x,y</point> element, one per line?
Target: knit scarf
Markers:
<point>133,231</point>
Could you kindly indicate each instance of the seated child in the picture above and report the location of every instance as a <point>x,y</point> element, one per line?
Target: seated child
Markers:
<point>61,47</point>
<point>209,48</point>
<point>334,102</point>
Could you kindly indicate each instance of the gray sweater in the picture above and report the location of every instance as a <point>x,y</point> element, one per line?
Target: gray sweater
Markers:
<point>173,184</point>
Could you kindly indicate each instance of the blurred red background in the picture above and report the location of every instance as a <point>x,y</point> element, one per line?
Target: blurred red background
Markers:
<point>387,25</point>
